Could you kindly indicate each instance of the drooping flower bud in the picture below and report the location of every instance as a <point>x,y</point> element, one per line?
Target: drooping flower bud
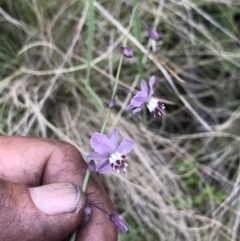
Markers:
<point>113,218</point>
<point>111,104</point>
<point>92,166</point>
<point>130,6</point>
<point>119,223</point>
<point>127,52</point>
<point>87,215</point>
<point>153,34</point>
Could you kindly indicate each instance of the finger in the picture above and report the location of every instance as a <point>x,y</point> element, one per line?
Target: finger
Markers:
<point>48,212</point>
<point>99,226</point>
<point>35,162</point>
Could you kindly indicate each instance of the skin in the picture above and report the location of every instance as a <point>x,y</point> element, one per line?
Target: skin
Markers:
<point>26,163</point>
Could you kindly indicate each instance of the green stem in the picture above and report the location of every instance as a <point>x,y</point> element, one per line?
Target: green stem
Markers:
<point>106,121</point>
<point>90,38</point>
<point>85,181</point>
<point>87,175</point>
<point>121,58</point>
<point>117,77</point>
<point>73,236</point>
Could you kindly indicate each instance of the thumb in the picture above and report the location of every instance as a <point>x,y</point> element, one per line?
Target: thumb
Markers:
<point>49,212</point>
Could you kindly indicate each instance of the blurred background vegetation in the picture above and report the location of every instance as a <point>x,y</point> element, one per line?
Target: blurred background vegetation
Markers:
<point>183,178</point>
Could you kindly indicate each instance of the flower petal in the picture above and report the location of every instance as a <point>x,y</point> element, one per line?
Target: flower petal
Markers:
<point>114,138</point>
<point>139,99</point>
<point>103,167</point>
<point>97,156</point>
<point>101,144</point>
<point>137,110</point>
<point>125,146</point>
<point>129,107</point>
<point>151,83</point>
<point>144,87</point>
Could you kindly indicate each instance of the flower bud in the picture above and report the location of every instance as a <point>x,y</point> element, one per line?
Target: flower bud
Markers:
<point>130,6</point>
<point>153,34</point>
<point>127,52</point>
<point>92,166</point>
<point>87,215</point>
<point>111,104</point>
<point>119,223</point>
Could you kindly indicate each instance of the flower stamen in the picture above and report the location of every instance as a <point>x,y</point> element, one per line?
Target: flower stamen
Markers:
<point>118,162</point>
<point>155,106</point>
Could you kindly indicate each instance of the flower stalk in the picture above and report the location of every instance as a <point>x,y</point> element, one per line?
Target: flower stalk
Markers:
<point>106,150</point>
<point>121,57</point>
<point>87,175</point>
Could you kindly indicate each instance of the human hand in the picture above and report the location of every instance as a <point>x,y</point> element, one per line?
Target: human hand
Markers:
<point>40,196</point>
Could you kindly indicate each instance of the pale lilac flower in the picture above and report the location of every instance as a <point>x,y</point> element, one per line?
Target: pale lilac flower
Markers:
<point>144,97</point>
<point>110,155</point>
<point>119,223</point>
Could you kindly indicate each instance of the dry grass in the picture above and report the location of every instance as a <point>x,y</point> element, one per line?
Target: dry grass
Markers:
<point>192,152</point>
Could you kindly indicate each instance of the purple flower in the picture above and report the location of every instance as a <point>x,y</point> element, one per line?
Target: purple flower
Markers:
<point>127,52</point>
<point>110,155</point>
<point>144,97</point>
<point>119,223</point>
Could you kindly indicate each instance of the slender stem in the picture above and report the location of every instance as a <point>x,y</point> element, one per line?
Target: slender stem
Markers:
<point>104,211</point>
<point>90,38</point>
<point>118,71</point>
<point>106,121</point>
<point>85,181</point>
<point>87,175</point>
<point>116,78</point>
<point>121,58</point>
<point>73,236</point>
